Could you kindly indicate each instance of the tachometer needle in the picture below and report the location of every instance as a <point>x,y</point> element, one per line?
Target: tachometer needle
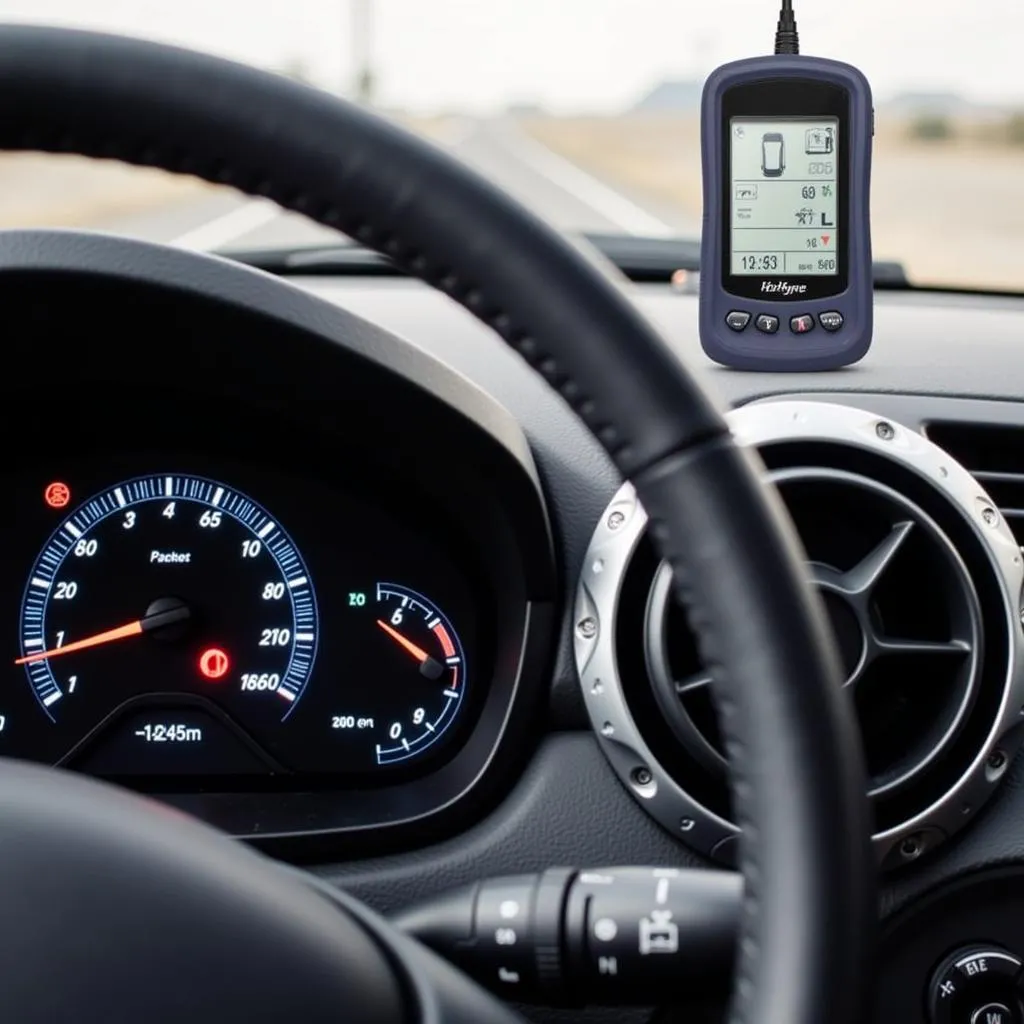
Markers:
<point>129,629</point>
<point>429,666</point>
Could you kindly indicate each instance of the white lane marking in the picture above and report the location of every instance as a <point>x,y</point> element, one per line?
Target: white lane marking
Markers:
<point>601,198</point>
<point>228,227</point>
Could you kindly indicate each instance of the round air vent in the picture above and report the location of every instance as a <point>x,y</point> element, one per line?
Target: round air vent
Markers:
<point>921,581</point>
<point>903,609</point>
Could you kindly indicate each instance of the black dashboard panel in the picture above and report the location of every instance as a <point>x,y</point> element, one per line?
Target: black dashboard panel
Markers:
<point>525,786</point>
<point>935,358</point>
<point>196,387</point>
<point>978,921</point>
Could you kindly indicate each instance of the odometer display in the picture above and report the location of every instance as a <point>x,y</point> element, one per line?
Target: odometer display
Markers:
<point>164,593</point>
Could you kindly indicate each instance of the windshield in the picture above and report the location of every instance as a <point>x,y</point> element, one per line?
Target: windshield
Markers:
<point>587,111</point>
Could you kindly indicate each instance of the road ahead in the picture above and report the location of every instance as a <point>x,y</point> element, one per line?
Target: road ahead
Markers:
<point>552,187</point>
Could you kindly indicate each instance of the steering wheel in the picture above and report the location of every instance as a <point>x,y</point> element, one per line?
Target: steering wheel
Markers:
<point>117,909</point>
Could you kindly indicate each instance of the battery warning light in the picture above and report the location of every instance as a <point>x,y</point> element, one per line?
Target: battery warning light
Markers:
<point>213,663</point>
<point>57,494</point>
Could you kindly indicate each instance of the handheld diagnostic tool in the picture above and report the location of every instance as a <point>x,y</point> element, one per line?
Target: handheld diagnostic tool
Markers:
<point>786,280</point>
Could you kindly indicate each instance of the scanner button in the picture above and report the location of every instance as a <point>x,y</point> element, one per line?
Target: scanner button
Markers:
<point>766,323</point>
<point>801,324</point>
<point>831,321</point>
<point>737,320</point>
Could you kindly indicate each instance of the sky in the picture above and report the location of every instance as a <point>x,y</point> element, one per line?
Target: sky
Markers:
<point>572,55</point>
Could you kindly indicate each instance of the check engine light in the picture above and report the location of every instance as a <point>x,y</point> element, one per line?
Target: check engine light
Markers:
<point>214,663</point>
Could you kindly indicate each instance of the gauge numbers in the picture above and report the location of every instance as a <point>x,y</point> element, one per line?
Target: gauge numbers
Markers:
<point>420,677</point>
<point>168,584</point>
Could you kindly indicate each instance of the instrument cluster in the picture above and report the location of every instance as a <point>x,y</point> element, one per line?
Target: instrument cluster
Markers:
<point>231,627</point>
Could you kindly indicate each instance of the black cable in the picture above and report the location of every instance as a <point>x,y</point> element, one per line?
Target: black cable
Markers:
<point>786,38</point>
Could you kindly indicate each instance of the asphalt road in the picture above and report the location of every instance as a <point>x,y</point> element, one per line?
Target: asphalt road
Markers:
<point>557,190</point>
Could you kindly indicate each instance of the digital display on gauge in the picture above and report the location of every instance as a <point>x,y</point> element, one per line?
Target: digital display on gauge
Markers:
<point>784,196</point>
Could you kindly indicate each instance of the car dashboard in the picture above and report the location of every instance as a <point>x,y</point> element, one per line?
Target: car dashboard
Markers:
<point>359,589</point>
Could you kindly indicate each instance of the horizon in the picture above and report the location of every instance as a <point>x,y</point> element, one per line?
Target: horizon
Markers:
<point>574,55</point>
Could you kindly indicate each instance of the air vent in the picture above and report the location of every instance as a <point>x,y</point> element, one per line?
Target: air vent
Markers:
<point>904,612</point>
<point>994,455</point>
<point>920,586</point>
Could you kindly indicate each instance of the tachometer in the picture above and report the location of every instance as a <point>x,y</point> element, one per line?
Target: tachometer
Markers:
<point>177,598</point>
<point>418,673</point>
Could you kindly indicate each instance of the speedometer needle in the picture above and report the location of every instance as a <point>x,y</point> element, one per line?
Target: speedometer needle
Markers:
<point>136,628</point>
<point>429,666</point>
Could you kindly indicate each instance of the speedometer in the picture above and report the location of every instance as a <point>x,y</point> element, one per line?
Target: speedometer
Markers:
<point>171,607</point>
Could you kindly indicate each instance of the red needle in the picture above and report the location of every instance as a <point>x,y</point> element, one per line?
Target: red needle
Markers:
<point>169,614</point>
<point>106,637</point>
<point>417,652</point>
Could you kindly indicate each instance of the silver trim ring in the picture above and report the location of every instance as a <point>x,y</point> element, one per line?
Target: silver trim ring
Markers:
<point>611,550</point>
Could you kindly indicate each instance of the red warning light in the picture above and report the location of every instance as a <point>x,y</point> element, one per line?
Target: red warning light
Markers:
<point>57,495</point>
<point>213,663</point>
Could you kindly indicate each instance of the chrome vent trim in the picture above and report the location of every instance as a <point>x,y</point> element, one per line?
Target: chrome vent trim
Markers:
<point>620,535</point>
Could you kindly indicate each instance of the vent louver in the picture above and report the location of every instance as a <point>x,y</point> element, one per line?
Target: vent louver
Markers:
<point>994,456</point>
<point>904,612</point>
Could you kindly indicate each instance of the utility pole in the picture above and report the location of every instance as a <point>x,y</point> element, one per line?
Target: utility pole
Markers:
<point>362,50</point>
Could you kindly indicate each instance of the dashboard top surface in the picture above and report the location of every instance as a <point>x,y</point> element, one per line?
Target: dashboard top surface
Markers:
<point>924,343</point>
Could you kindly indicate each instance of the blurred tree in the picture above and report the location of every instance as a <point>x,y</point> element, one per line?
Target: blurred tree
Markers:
<point>930,128</point>
<point>1015,129</point>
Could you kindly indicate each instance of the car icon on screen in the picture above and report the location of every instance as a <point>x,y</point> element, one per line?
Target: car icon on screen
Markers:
<point>773,155</point>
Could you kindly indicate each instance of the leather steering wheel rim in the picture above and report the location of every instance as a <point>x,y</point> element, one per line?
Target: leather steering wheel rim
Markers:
<point>797,778</point>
